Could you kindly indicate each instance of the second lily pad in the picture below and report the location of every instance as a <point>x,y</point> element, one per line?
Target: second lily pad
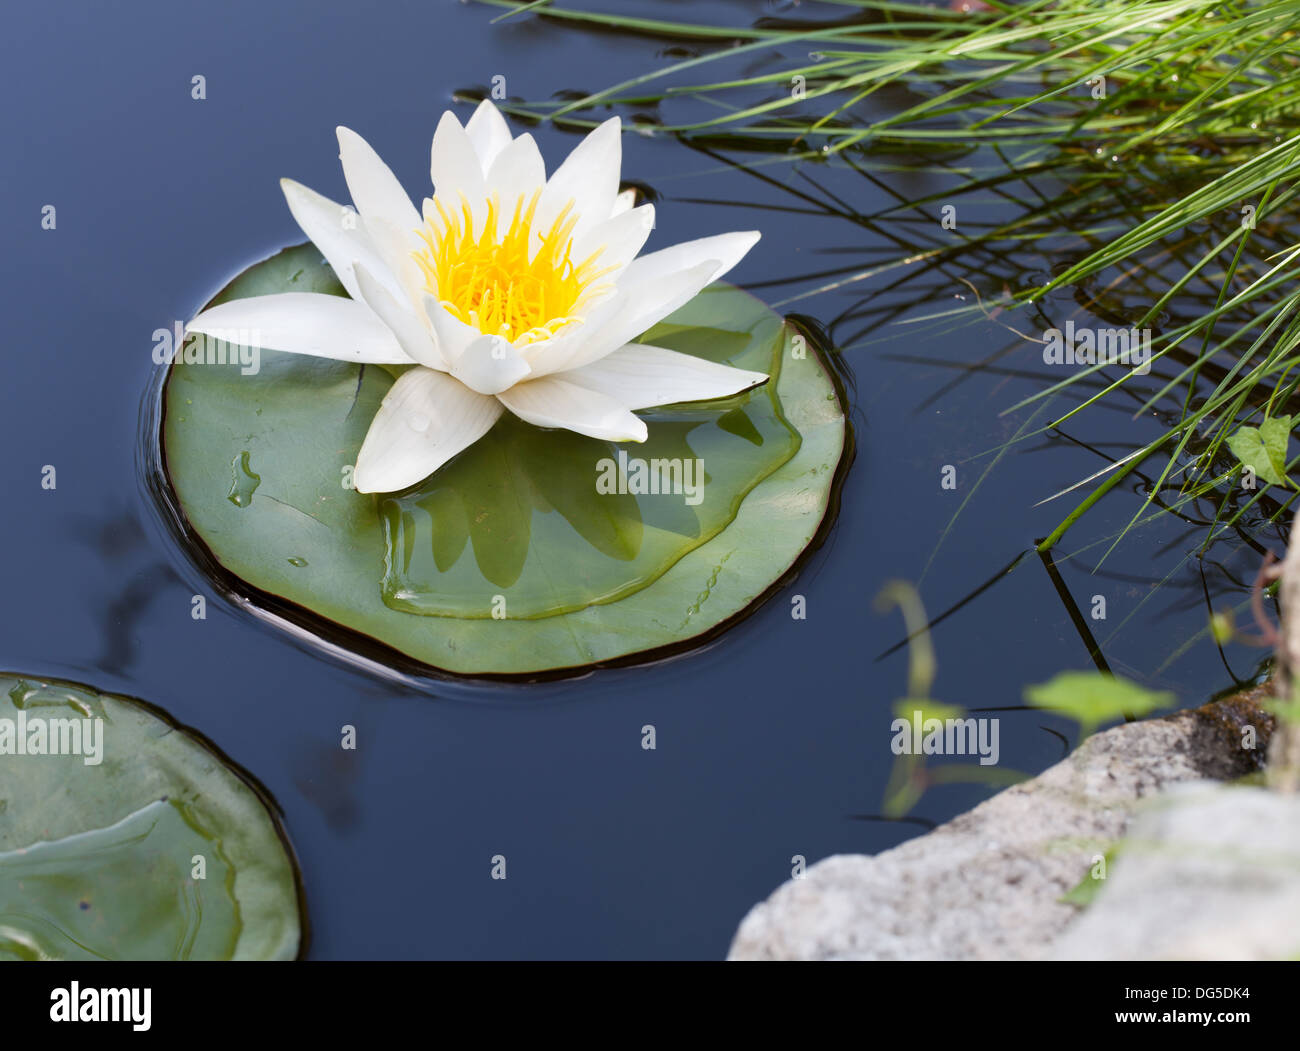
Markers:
<point>126,837</point>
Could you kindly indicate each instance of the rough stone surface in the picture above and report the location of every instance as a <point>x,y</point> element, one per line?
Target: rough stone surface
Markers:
<point>986,885</point>
<point>1193,881</point>
<point>1284,759</point>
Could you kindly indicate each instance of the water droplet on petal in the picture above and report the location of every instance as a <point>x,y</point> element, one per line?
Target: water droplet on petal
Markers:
<point>418,422</point>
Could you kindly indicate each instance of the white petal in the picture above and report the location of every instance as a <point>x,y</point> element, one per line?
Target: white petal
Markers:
<point>640,376</point>
<point>338,232</point>
<point>624,202</point>
<point>618,239</point>
<point>727,249</point>
<point>588,177</point>
<point>645,304</point>
<point>373,186</point>
<point>394,248</point>
<point>411,332</point>
<point>654,299</point>
<point>455,169</point>
<point>488,132</point>
<point>554,354</point>
<point>490,365</point>
<point>425,419</point>
<point>518,172</point>
<point>454,336</point>
<point>551,402</point>
<point>305,323</point>
<point>487,364</point>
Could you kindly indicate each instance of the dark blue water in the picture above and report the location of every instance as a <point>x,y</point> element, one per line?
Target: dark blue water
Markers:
<point>772,742</point>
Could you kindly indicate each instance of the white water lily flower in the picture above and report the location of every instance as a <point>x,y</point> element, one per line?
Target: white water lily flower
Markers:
<point>512,291</point>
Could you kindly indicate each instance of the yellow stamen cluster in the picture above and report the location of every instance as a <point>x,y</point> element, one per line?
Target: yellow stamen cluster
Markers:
<point>513,283</point>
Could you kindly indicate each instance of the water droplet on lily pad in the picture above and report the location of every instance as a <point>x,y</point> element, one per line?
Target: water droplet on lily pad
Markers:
<point>243,481</point>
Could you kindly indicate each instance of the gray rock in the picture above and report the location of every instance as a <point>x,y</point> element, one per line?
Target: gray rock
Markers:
<point>986,885</point>
<point>1206,872</point>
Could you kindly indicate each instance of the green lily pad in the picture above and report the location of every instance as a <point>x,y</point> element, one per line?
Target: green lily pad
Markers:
<point>109,813</point>
<point>516,557</point>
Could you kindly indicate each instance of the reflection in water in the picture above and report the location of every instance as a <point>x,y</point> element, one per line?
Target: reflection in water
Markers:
<point>118,540</point>
<point>327,776</point>
<point>900,262</point>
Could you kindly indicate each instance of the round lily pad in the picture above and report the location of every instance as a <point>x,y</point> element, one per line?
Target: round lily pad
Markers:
<point>124,836</point>
<point>534,551</point>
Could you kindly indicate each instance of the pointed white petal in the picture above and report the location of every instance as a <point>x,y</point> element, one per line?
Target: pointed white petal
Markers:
<point>394,248</point>
<point>645,304</point>
<point>651,301</point>
<point>425,419</point>
<point>486,364</point>
<point>518,172</point>
<point>455,169</point>
<point>490,365</point>
<point>624,202</point>
<point>640,376</point>
<point>727,249</point>
<point>554,354</point>
<point>551,402</point>
<point>618,239</point>
<point>488,132</point>
<point>412,334</point>
<point>305,323</point>
<point>588,177</point>
<point>337,231</point>
<point>454,336</point>
<point>373,186</point>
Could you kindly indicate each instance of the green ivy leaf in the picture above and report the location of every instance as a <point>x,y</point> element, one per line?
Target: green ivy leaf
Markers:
<point>1263,448</point>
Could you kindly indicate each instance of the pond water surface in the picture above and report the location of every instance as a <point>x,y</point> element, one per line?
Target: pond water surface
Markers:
<point>771,742</point>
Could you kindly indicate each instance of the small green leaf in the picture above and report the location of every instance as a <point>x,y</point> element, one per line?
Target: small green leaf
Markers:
<point>1086,890</point>
<point>1263,449</point>
<point>1288,709</point>
<point>1091,698</point>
